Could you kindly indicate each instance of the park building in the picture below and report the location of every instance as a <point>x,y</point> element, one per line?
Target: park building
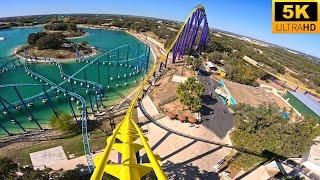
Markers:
<point>216,69</point>
<point>304,104</point>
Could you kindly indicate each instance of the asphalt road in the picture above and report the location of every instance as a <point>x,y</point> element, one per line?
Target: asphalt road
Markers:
<point>214,113</point>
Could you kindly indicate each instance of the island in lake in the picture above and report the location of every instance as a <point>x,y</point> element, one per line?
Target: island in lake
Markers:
<point>54,43</point>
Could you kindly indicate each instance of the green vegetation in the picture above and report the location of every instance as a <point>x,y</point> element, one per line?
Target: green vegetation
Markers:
<point>193,62</point>
<point>6,25</point>
<point>55,45</point>
<point>61,27</point>
<point>51,41</point>
<point>64,122</point>
<point>190,93</point>
<point>262,131</point>
<point>238,71</point>
<point>68,29</point>
<point>34,37</point>
<point>44,40</point>
<point>71,144</point>
<point>8,169</point>
<point>276,59</point>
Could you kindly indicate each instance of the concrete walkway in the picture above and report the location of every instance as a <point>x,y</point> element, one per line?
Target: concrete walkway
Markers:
<point>152,109</point>
<point>184,154</point>
<point>214,112</point>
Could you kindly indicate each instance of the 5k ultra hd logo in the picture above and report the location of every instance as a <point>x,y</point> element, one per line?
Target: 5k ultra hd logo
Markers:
<point>296,16</point>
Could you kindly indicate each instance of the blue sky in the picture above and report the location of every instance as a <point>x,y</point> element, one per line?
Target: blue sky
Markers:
<point>248,17</point>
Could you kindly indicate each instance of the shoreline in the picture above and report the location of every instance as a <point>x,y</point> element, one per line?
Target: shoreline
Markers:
<point>131,92</point>
<point>78,37</point>
<point>154,53</point>
<point>152,45</point>
<point>43,60</point>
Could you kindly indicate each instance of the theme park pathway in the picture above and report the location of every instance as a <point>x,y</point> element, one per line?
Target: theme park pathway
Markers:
<point>184,148</point>
<point>214,112</point>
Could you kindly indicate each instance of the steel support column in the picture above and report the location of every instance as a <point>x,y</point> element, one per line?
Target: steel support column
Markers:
<point>11,116</point>
<point>99,78</point>
<point>25,106</point>
<point>70,104</point>
<point>50,102</point>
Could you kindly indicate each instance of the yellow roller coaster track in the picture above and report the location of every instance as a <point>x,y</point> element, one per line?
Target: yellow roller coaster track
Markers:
<point>127,132</point>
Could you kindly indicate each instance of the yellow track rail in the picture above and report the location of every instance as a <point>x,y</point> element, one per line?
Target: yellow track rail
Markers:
<point>127,131</point>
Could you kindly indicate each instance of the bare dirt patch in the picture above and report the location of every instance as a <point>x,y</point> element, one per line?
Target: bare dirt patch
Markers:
<point>164,95</point>
<point>254,96</point>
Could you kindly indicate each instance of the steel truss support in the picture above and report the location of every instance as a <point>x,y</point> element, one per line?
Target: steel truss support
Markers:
<point>99,78</point>
<point>91,105</point>
<point>25,106</point>
<point>10,116</point>
<point>127,65</point>
<point>50,102</point>
<point>70,104</point>
<point>3,128</point>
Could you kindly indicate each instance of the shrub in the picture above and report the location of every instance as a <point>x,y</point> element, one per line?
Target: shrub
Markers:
<point>51,41</point>
<point>262,130</point>
<point>61,27</point>
<point>34,37</point>
<point>63,122</point>
<point>190,93</point>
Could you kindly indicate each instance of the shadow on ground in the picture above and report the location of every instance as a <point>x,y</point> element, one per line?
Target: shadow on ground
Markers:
<point>186,171</point>
<point>209,100</point>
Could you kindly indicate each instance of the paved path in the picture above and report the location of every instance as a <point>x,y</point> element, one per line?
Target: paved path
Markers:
<point>187,152</point>
<point>214,113</point>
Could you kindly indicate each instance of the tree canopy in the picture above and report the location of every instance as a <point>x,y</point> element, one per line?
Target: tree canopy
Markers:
<point>190,93</point>
<point>7,168</point>
<point>51,41</point>
<point>64,122</point>
<point>34,37</point>
<point>261,129</point>
<point>239,71</point>
<point>61,27</point>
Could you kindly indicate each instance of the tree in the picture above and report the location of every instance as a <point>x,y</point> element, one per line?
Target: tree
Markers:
<point>188,60</point>
<point>215,56</point>
<point>63,122</point>
<point>238,71</point>
<point>72,27</point>
<point>262,130</point>
<point>190,93</point>
<point>7,168</point>
<point>51,41</point>
<point>34,37</point>
<point>56,27</point>
<point>30,174</point>
<point>194,62</point>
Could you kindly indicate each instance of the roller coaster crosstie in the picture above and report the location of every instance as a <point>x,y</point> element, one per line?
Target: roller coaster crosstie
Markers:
<point>127,138</point>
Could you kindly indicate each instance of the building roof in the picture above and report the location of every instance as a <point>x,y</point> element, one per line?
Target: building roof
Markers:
<point>309,102</point>
<point>210,64</point>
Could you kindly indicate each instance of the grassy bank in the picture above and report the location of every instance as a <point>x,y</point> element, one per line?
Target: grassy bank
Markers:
<point>71,145</point>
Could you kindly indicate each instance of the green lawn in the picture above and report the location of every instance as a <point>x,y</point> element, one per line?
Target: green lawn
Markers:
<point>71,145</point>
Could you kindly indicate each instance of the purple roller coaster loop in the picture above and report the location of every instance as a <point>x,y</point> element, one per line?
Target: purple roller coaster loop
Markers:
<point>188,36</point>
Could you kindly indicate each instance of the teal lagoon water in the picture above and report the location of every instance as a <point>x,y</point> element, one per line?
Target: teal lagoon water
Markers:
<point>120,72</point>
